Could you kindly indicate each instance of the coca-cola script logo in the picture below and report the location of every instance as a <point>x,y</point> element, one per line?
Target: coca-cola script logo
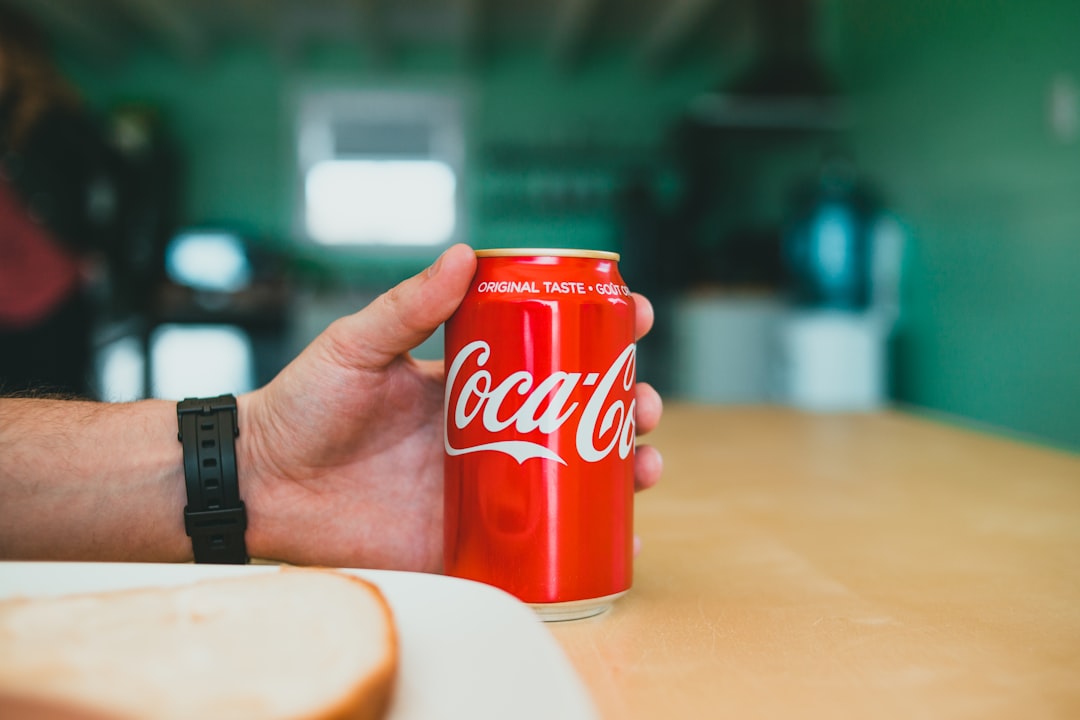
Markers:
<point>604,424</point>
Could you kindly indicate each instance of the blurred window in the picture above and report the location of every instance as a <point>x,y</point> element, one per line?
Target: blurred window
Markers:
<point>208,260</point>
<point>200,361</point>
<point>380,168</point>
<point>121,370</point>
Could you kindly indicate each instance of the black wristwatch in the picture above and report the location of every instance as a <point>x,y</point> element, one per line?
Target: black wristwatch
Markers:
<point>215,517</point>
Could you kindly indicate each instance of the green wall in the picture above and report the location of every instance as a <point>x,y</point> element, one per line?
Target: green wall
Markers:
<point>952,106</point>
<point>950,102</point>
<point>530,122</point>
<point>225,117</point>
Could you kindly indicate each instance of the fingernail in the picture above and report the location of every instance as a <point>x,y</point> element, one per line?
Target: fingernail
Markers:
<point>433,268</point>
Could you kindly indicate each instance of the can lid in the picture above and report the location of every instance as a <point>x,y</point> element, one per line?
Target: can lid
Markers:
<point>548,252</point>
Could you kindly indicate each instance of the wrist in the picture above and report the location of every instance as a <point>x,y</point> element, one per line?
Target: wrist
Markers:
<point>253,476</point>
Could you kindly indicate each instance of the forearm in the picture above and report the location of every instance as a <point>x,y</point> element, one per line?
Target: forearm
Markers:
<point>91,481</point>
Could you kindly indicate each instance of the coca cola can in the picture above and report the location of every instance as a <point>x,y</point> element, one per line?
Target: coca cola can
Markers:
<point>540,431</point>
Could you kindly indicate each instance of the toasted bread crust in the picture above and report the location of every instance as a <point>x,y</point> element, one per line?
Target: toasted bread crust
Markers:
<point>372,696</point>
<point>369,698</point>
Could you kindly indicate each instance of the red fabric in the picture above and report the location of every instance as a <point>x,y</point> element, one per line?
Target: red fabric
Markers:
<point>36,274</point>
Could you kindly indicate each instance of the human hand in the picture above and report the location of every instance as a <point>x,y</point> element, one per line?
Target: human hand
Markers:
<point>341,455</point>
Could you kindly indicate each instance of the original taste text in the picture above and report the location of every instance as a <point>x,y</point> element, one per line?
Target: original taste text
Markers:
<point>549,287</point>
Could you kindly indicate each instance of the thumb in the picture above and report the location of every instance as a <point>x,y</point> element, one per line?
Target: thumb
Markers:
<point>407,314</point>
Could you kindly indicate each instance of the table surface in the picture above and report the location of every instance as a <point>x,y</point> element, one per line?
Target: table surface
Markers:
<point>875,565</point>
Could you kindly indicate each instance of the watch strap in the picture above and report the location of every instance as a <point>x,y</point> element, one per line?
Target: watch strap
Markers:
<point>215,517</point>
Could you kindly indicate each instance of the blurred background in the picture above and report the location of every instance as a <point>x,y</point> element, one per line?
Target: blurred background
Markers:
<point>834,204</point>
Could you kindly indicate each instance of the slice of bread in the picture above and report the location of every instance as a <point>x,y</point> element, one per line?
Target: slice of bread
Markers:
<point>296,643</point>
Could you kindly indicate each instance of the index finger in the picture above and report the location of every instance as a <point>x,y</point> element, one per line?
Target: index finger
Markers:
<point>643,315</point>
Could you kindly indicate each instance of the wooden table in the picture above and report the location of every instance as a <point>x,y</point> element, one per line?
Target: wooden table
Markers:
<point>853,566</point>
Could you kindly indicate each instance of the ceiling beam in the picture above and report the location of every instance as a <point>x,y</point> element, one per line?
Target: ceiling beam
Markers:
<point>673,29</point>
<point>360,23</point>
<point>372,30</point>
<point>472,22</point>
<point>171,21</point>
<point>76,23</point>
<point>574,19</point>
<point>259,16</point>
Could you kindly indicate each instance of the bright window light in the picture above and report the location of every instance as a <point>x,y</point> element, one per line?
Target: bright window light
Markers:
<point>121,370</point>
<point>208,261</point>
<point>200,361</point>
<point>380,168</point>
<point>395,202</point>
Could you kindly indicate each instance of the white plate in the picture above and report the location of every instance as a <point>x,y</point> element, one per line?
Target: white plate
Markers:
<point>467,650</point>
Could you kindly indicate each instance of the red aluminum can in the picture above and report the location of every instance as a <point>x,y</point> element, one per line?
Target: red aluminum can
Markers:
<point>540,430</point>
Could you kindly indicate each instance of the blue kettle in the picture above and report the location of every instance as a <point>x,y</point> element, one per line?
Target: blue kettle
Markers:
<point>827,240</point>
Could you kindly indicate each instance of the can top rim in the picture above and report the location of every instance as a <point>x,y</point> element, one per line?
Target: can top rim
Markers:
<point>548,252</point>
